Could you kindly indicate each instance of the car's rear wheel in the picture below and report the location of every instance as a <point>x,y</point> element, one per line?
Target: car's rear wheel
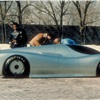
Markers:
<point>16,66</point>
<point>98,70</point>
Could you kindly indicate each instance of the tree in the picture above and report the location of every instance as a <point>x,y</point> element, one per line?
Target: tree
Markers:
<point>4,8</point>
<point>55,12</point>
<point>21,10</point>
<point>18,11</point>
<point>83,15</point>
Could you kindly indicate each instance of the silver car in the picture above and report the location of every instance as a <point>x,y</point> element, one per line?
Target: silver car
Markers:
<point>50,61</point>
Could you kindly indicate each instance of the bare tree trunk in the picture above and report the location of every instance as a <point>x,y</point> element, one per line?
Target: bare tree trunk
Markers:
<point>19,13</point>
<point>61,18</point>
<point>82,15</point>
<point>4,8</point>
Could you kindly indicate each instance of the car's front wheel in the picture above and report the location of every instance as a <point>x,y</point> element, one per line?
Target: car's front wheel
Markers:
<point>16,66</point>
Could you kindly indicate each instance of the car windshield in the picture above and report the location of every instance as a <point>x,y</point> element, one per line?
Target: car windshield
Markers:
<point>83,49</point>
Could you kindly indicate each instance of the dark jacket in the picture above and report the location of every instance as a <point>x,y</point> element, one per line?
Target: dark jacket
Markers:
<point>21,39</point>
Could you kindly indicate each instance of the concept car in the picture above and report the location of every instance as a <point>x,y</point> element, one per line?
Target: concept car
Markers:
<point>50,61</point>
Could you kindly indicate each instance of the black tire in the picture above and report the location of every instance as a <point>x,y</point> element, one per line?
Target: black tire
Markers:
<point>98,70</point>
<point>16,66</point>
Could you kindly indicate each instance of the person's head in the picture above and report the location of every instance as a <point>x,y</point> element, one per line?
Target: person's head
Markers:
<point>11,23</point>
<point>48,36</point>
<point>15,26</point>
<point>56,40</point>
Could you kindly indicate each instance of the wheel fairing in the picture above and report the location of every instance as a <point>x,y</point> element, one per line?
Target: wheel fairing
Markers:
<point>17,67</point>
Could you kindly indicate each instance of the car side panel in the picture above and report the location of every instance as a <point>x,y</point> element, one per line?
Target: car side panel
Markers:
<point>88,64</point>
<point>43,64</point>
<point>68,65</point>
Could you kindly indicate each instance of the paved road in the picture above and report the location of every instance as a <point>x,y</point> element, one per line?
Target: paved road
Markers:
<point>49,89</point>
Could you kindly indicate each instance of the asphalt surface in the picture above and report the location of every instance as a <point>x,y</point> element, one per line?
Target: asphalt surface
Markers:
<point>49,88</point>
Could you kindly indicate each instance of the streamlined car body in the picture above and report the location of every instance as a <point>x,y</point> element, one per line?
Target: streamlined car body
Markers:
<point>50,61</point>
